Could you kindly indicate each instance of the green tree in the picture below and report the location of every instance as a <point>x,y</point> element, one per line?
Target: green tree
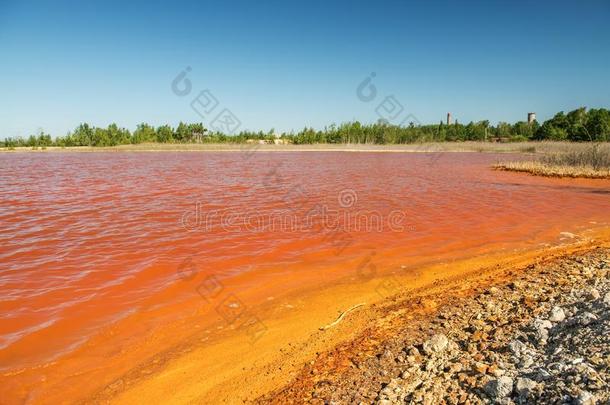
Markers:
<point>165,134</point>
<point>144,133</point>
<point>83,135</point>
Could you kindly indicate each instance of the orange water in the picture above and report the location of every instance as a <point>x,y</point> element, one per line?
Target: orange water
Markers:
<point>91,241</point>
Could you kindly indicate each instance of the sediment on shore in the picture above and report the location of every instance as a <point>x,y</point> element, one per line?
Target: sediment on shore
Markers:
<point>538,335</point>
<point>543,169</point>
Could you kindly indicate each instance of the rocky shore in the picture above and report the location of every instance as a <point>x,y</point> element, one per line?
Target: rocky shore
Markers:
<point>542,337</point>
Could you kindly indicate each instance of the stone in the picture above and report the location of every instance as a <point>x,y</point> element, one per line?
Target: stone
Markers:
<point>542,326</point>
<point>585,398</point>
<point>586,318</point>
<point>557,314</point>
<point>494,290</point>
<point>542,375</point>
<point>594,294</point>
<point>495,370</point>
<point>413,351</point>
<point>524,387</point>
<point>436,344</point>
<point>480,368</point>
<point>500,388</point>
<point>526,361</point>
<point>517,348</point>
<point>607,298</point>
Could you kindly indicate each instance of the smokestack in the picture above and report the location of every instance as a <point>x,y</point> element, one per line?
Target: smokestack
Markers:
<point>448,118</point>
<point>531,117</point>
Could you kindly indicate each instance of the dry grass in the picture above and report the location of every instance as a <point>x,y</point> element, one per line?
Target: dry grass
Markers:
<point>589,161</point>
<point>596,156</point>
<point>542,169</point>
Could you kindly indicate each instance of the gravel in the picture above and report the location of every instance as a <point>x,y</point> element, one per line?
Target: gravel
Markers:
<point>542,338</point>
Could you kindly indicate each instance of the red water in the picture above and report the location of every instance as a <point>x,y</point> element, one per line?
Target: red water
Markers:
<point>88,240</point>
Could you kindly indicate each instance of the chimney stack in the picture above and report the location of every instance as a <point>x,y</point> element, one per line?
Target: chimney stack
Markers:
<point>531,117</point>
<point>448,118</point>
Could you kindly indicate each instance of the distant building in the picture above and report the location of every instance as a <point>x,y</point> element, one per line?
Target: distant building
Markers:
<point>448,118</point>
<point>531,117</point>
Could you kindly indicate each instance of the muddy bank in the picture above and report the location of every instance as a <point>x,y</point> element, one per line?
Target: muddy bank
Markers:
<point>538,335</point>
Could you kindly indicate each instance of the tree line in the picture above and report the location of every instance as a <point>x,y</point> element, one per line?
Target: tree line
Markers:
<point>578,125</point>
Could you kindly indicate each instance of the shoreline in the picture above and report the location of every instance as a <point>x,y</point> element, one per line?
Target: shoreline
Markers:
<point>500,342</point>
<point>220,371</point>
<point>531,147</point>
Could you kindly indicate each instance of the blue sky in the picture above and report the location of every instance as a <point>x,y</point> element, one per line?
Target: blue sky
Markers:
<point>285,65</point>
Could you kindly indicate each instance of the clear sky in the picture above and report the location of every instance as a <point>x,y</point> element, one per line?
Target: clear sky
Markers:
<point>285,65</point>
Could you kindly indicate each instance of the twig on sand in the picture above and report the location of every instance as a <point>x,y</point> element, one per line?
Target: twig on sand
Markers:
<point>330,325</point>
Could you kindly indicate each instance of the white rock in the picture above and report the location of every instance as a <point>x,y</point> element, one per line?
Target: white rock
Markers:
<point>557,314</point>
<point>517,347</point>
<point>585,398</point>
<point>500,388</point>
<point>607,298</point>
<point>594,294</point>
<point>543,375</point>
<point>436,344</point>
<point>524,387</point>
<point>587,318</point>
<point>526,362</point>
<point>542,326</point>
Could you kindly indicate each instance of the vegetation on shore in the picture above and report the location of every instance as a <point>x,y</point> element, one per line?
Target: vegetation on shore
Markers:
<point>577,125</point>
<point>529,147</point>
<point>590,162</point>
